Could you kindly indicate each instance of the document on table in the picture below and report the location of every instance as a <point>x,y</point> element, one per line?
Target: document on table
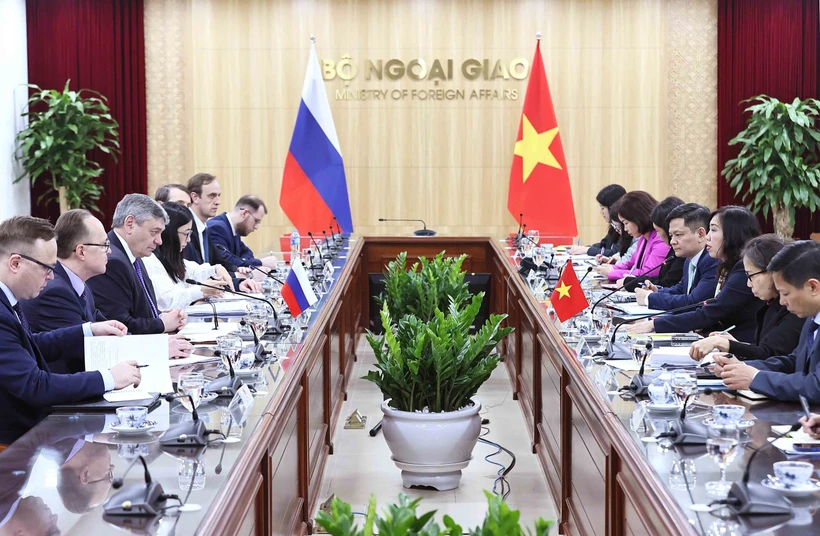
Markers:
<point>222,308</point>
<point>635,309</point>
<point>102,353</point>
<point>676,356</point>
<point>203,332</point>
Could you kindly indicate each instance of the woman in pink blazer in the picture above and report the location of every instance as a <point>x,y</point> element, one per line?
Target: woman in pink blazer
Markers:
<point>634,210</point>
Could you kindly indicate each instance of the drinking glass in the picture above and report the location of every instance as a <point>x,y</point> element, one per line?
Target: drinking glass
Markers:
<point>721,443</point>
<point>684,383</point>
<point>193,385</point>
<point>259,322</point>
<point>231,428</point>
<point>534,235</point>
<point>269,287</point>
<point>230,346</point>
<point>191,475</point>
<point>540,256</point>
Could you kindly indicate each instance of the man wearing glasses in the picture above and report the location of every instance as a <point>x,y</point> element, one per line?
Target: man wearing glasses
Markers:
<point>228,229</point>
<point>82,253</point>
<point>28,388</point>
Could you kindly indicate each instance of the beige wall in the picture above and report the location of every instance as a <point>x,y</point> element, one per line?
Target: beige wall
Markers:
<point>629,86</point>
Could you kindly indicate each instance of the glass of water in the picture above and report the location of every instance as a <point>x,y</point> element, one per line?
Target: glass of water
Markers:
<point>193,385</point>
<point>684,383</point>
<point>230,347</point>
<point>721,444</point>
<point>191,475</point>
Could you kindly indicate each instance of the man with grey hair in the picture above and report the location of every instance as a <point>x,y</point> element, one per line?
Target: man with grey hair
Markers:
<point>124,292</point>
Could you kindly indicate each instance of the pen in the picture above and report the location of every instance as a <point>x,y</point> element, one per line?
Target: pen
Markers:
<point>727,330</point>
<point>141,366</point>
<point>805,405</point>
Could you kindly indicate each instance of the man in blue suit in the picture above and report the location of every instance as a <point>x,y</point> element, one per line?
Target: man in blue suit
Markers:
<point>227,229</point>
<point>28,388</point>
<point>796,274</point>
<point>688,226</point>
<point>125,292</point>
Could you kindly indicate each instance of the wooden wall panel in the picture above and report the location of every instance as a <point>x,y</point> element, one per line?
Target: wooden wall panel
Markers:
<point>238,83</point>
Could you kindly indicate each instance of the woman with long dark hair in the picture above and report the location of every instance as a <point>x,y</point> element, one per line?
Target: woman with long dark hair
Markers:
<point>730,228</point>
<point>778,330</point>
<point>634,210</point>
<point>672,270</point>
<point>168,269</point>
<point>608,245</point>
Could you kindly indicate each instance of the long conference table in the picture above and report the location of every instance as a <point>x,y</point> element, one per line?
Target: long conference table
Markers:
<point>604,479</point>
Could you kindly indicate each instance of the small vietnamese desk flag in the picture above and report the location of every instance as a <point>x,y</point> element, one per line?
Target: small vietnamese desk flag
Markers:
<point>297,291</point>
<point>568,299</point>
<point>314,188</point>
<point>539,181</point>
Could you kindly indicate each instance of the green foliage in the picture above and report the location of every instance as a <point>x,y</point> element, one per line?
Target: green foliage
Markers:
<point>778,166</point>
<point>427,285</point>
<point>437,364</point>
<point>63,127</point>
<point>402,520</point>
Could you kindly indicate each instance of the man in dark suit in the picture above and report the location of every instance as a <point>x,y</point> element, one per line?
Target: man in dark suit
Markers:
<point>688,224</point>
<point>124,292</point>
<point>228,229</point>
<point>28,388</point>
<point>206,196</point>
<point>82,253</point>
<point>796,274</point>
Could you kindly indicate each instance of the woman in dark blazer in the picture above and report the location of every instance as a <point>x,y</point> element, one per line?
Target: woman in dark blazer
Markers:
<point>778,330</point>
<point>730,228</point>
<point>609,244</point>
<point>672,269</point>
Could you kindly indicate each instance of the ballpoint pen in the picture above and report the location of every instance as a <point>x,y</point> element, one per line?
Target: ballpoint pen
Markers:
<point>727,330</point>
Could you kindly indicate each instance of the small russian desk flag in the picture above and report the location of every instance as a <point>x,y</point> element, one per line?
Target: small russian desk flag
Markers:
<point>297,292</point>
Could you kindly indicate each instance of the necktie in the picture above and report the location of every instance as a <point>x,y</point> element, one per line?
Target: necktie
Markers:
<point>84,302</point>
<point>145,288</point>
<point>205,255</point>
<point>692,269</point>
<point>22,318</point>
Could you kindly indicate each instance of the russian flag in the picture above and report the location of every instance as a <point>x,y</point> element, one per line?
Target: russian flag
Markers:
<point>297,291</point>
<point>314,189</point>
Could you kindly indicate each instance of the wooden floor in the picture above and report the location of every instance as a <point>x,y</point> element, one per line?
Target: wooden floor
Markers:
<point>361,464</point>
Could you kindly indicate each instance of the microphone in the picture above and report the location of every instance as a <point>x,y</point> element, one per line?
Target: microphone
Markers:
<point>188,433</point>
<point>520,224</point>
<point>589,270</point>
<point>640,382</point>
<point>689,432</point>
<point>218,468</point>
<point>225,386</point>
<point>319,248</point>
<point>671,311</point>
<point>243,294</point>
<point>138,499</point>
<point>752,498</point>
<point>623,286</point>
<point>170,397</point>
<point>248,264</point>
<point>259,348</point>
<point>340,236</point>
<point>421,232</point>
<point>213,305</point>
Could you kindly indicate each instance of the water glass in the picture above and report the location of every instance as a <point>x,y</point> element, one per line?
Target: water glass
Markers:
<point>684,383</point>
<point>230,347</point>
<point>191,384</point>
<point>191,475</point>
<point>722,445</point>
<point>269,288</point>
<point>230,427</point>
<point>259,322</point>
<point>660,392</point>
<point>540,255</point>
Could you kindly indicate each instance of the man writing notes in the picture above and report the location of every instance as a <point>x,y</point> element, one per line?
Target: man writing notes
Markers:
<point>796,274</point>
<point>227,231</point>
<point>124,292</point>
<point>688,225</point>
<point>28,388</point>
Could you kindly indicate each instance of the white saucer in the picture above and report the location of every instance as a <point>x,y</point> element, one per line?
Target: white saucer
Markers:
<point>662,407</point>
<point>743,424</point>
<point>147,426</point>
<point>803,491</point>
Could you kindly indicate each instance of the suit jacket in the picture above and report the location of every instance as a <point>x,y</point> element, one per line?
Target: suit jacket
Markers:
<point>671,274</point>
<point>778,332</point>
<point>785,378</point>
<point>193,253</point>
<point>703,286</point>
<point>608,246</point>
<point>28,388</point>
<point>59,306</point>
<point>119,294</point>
<point>221,235</point>
<point>735,305</point>
<point>646,259</point>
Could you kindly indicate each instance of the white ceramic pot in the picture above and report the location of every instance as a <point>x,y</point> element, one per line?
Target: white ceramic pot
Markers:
<point>431,449</point>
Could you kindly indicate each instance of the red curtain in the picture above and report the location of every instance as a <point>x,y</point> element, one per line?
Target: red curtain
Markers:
<point>764,47</point>
<point>99,45</point>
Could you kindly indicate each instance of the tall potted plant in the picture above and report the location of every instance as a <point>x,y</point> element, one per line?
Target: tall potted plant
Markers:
<point>428,373</point>
<point>778,166</point>
<point>63,127</point>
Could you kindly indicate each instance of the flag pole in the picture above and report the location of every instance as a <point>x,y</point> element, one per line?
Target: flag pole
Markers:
<point>538,35</point>
<point>312,39</point>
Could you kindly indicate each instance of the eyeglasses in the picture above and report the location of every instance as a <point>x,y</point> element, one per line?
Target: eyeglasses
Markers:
<point>107,477</point>
<point>186,234</point>
<point>750,276</point>
<point>257,220</point>
<point>49,269</point>
<point>106,246</point>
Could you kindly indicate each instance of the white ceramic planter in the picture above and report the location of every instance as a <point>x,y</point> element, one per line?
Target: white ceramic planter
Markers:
<point>431,449</point>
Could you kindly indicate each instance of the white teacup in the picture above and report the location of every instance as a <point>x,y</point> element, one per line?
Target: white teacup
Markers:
<point>132,416</point>
<point>660,393</point>
<point>728,413</point>
<point>793,473</point>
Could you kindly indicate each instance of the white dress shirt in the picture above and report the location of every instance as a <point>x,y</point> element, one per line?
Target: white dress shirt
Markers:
<point>173,295</point>
<point>107,377</point>
<point>200,228</point>
<point>126,248</point>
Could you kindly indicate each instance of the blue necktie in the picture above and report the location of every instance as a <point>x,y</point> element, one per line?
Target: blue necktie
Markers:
<point>84,301</point>
<point>145,288</point>
<point>205,253</point>
<point>22,317</point>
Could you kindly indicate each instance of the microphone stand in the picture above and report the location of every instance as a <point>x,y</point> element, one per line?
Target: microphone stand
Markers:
<point>138,499</point>
<point>185,434</point>
<point>589,270</point>
<point>340,237</point>
<point>623,286</point>
<point>259,351</point>
<point>248,264</point>
<point>210,302</point>
<point>275,329</point>
<point>421,232</point>
<point>518,235</point>
<point>225,386</point>
<point>327,255</point>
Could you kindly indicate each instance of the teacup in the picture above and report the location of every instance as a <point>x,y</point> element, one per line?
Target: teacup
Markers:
<point>728,413</point>
<point>793,473</point>
<point>132,416</point>
<point>660,393</point>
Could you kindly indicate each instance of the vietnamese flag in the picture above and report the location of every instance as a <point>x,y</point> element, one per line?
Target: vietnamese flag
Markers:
<point>568,299</point>
<point>539,181</point>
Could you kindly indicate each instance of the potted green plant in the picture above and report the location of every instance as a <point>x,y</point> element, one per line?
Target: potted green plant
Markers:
<point>63,127</point>
<point>427,285</point>
<point>778,166</point>
<point>428,373</point>
<point>402,518</point>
